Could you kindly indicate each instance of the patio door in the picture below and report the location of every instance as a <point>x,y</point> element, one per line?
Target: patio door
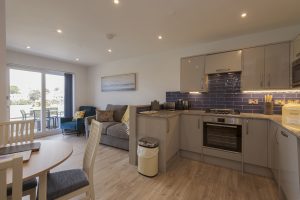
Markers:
<point>26,96</point>
<point>37,95</point>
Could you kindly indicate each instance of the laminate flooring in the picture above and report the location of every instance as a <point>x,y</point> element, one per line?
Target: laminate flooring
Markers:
<point>115,178</point>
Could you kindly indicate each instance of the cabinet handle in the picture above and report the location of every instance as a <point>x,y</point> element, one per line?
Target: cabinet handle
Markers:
<point>223,70</point>
<point>284,134</point>
<point>269,80</point>
<point>247,130</point>
<point>198,123</point>
<point>261,80</point>
<point>276,136</point>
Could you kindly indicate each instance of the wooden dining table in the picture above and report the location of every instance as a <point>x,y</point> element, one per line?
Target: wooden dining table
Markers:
<point>51,154</point>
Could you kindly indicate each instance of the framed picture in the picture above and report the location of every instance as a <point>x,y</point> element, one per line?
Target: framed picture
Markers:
<point>122,82</point>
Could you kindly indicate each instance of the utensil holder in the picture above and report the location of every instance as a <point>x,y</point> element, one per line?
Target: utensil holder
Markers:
<point>268,108</point>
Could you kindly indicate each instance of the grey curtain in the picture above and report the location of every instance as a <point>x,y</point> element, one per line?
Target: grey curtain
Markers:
<point>68,95</point>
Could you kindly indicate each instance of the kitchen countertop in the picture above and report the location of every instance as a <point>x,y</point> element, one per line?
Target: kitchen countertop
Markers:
<point>275,118</point>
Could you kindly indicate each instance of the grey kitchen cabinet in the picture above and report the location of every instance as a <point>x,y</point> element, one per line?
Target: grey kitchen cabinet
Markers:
<point>273,158</point>
<point>296,48</point>
<point>253,73</point>
<point>192,74</point>
<point>166,130</point>
<point>255,142</point>
<point>288,164</point>
<point>223,62</point>
<point>277,66</point>
<point>191,133</point>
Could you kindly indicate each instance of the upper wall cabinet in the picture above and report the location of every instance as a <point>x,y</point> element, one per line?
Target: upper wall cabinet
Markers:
<point>192,76</point>
<point>253,69</point>
<point>223,62</point>
<point>266,67</point>
<point>277,66</point>
<point>296,44</point>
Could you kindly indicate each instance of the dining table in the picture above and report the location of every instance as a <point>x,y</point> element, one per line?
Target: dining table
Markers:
<point>51,154</point>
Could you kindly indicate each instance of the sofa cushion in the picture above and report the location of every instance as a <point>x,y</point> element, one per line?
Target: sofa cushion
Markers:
<point>119,111</point>
<point>118,130</point>
<point>106,125</point>
<point>105,115</point>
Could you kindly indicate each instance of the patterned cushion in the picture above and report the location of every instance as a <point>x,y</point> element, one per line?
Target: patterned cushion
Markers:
<point>125,118</point>
<point>119,111</point>
<point>79,115</point>
<point>105,115</point>
<point>118,130</point>
<point>65,182</point>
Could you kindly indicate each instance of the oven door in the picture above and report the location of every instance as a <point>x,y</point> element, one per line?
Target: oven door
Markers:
<point>222,136</point>
<point>296,73</point>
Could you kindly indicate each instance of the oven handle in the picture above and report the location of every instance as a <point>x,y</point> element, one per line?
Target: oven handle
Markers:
<point>220,125</point>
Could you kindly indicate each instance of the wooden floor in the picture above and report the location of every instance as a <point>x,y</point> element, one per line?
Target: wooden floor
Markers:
<point>116,179</point>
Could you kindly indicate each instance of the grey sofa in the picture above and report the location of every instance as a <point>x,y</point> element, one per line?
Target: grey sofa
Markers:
<point>113,133</point>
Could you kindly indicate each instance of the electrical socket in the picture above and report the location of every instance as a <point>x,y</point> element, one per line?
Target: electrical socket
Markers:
<point>252,101</point>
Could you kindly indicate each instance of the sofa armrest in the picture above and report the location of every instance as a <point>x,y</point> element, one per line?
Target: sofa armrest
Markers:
<point>66,119</point>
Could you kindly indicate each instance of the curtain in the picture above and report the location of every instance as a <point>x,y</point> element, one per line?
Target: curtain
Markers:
<point>68,95</point>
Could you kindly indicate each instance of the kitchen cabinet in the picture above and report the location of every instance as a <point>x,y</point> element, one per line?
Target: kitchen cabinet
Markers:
<point>296,47</point>
<point>273,158</point>
<point>191,133</point>
<point>255,140</point>
<point>288,164</point>
<point>223,62</point>
<point>253,68</point>
<point>277,66</point>
<point>166,130</point>
<point>192,74</point>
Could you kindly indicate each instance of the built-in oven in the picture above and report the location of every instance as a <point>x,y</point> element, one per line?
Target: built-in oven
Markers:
<point>296,73</point>
<point>223,133</point>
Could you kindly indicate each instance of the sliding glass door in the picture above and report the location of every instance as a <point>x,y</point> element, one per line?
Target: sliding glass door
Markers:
<point>38,96</point>
<point>26,96</point>
<point>55,87</point>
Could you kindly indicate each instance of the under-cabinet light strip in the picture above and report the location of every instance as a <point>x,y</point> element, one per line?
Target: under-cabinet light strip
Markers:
<point>272,91</point>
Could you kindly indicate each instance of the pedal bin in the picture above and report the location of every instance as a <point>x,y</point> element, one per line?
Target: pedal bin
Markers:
<point>148,156</point>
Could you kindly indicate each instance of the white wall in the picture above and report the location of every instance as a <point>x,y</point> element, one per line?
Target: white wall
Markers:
<point>3,71</point>
<point>80,72</point>
<point>159,72</point>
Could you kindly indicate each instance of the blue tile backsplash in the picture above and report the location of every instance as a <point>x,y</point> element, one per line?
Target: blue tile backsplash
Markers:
<point>224,92</point>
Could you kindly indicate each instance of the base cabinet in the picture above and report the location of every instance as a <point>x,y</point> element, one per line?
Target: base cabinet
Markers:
<point>255,140</point>
<point>191,133</point>
<point>288,164</point>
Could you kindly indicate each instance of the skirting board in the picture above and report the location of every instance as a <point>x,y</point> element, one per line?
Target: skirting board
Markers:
<point>252,169</point>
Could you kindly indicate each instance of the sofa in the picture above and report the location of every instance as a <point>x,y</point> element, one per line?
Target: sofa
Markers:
<point>114,133</point>
<point>69,124</point>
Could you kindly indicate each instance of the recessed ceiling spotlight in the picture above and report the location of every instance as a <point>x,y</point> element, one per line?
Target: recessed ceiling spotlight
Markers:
<point>243,15</point>
<point>116,2</point>
<point>109,50</point>
<point>77,59</point>
<point>59,31</point>
<point>28,47</point>
<point>159,37</point>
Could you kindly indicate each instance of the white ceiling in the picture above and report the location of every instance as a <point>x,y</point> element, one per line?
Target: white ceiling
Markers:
<point>136,24</point>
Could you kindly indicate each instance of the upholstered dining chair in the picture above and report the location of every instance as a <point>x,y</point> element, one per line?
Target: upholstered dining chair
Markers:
<point>67,184</point>
<point>16,165</point>
<point>19,132</point>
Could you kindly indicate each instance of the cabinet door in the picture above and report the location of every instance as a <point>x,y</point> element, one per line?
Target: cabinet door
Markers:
<point>253,68</point>
<point>273,157</point>
<point>277,66</point>
<point>255,141</point>
<point>288,164</point>
<point>192,76</point>
<point>223,62</point>
<point>296,48</point>
<point>191,133</point>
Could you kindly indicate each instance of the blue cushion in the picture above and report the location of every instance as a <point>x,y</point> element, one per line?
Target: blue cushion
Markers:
<point>68,125</point>
<point>27,185</point>
<point>65,182</point>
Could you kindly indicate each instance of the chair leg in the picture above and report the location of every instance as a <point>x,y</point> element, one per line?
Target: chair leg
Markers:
<point>32,194</point>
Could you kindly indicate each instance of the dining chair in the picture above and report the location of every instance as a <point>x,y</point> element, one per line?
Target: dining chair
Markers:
<point>17,171</point>
<point>67,184</point>
<point>14,133</point>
